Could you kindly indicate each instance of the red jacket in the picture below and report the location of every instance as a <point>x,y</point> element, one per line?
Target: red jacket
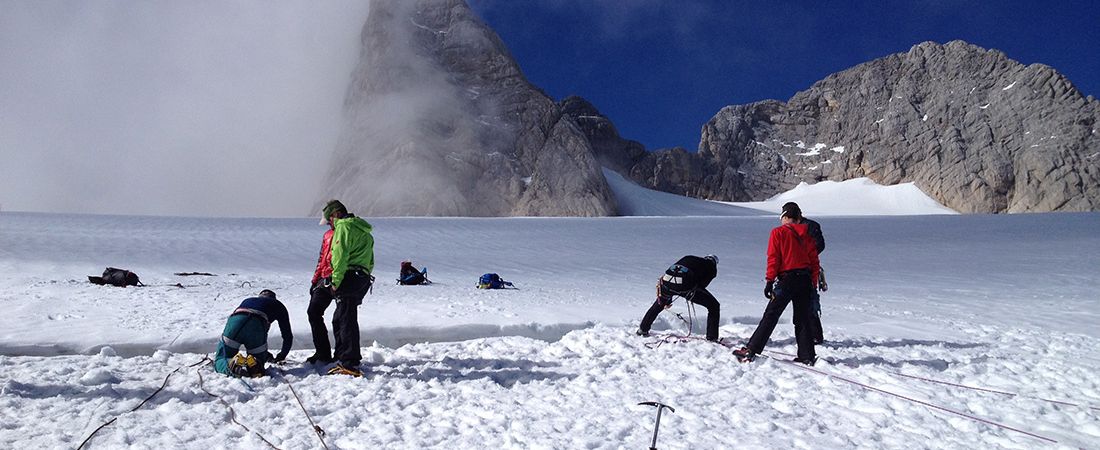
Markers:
<point>324,262</point>
<point>791,247</point>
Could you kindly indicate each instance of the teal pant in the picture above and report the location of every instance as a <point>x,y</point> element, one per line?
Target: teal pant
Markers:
<point>248,331</point>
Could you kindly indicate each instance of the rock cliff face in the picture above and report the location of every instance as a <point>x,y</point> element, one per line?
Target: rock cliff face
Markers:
<point>440,121</point>
<point>972,128</point>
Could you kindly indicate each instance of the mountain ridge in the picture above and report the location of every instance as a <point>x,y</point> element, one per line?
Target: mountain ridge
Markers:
<point>943,116</point>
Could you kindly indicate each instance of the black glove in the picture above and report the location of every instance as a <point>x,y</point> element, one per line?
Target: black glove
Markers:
<point>769,289</point>
<point>279,359</point>
<point>822,285</point>
<point>665,300</point>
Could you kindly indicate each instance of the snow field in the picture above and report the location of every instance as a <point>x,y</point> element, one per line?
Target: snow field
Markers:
<point>514,392</point>
<point>998,302</point>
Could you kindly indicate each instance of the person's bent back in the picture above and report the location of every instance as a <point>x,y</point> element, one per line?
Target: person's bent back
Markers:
<point>247,327</point>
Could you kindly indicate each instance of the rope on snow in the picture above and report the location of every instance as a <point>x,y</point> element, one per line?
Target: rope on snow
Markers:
<point>139,405</point>
<point>316,429</point>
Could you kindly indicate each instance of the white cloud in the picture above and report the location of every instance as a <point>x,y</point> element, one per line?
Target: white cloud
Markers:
<point>177,108</point>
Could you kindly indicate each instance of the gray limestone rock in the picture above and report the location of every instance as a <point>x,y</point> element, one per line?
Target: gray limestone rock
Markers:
<point>970,127</point>
<point>612,151</point>
<point>440,121</point>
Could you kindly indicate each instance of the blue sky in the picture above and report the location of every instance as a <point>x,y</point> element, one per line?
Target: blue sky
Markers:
<point>660,69</point>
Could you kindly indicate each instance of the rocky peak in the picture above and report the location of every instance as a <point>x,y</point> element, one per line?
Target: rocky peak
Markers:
<point>611,150</point>
<point>972,128</point>
<point>441,121</point>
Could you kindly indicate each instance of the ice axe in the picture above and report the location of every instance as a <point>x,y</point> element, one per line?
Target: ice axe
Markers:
<point>657,426</point>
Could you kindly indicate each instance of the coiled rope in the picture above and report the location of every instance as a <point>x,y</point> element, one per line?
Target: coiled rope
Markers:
<point>673,337</point>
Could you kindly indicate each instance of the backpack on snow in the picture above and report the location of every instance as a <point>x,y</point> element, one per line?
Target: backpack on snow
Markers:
<point>117,277</point>
<point>411,276</point>
<point>492,281</point>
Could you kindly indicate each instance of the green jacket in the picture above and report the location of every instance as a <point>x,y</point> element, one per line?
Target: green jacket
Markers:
<point>352,245</point>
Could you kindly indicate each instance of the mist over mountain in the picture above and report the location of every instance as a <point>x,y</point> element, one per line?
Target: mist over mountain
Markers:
<point>440,121</point>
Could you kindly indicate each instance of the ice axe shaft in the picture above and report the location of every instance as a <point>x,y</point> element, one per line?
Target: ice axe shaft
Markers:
<point>657,426</point>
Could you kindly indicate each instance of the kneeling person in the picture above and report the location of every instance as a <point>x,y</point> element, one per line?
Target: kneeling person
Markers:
<point>687,278</point>
<point>248,326</point>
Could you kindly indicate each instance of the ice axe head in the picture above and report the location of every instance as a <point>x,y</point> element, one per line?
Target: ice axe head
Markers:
<point>658,405</point>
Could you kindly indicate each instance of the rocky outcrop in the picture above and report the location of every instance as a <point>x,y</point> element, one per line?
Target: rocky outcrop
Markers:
<point>972,128</point>
<point>440,121</point>
<point>611,149</point>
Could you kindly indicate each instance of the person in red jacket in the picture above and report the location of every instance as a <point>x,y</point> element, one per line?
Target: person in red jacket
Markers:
<point>320,297</point>
<point>792,261</point>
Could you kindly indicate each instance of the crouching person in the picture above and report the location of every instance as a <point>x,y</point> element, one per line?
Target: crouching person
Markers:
<point>247,326</point>
<point>687,278</point>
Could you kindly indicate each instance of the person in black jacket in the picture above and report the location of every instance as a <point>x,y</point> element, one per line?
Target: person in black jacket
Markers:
<point>687,278</point>
<point>815,296</point>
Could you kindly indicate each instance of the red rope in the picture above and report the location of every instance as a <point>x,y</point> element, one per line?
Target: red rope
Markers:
<point>977,388</point>
<point>920,402</point>
<point>994,391</point>
<point>677,338</point>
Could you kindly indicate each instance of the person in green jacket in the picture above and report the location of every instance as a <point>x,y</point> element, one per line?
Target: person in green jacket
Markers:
<point>352,258</point>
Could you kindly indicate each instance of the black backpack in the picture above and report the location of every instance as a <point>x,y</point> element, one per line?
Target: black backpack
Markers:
<point>815,232</point>
<point>117,277</point>
<point>679,280</point>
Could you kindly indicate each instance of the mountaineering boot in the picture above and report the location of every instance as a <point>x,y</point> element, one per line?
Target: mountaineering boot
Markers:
<point>642,333</point>
<point>743,354</point>
<point>318,359</point>
<point>808,362</point>
<point>340,369</point>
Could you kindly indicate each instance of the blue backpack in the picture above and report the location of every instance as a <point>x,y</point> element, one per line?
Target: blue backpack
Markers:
<point>492,281</point>
<point>410,275</point>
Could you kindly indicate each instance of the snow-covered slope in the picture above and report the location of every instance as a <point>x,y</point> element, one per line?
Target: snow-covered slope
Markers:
<point>855,197</point>
<point>635,200</point>
<point>1006,303</point>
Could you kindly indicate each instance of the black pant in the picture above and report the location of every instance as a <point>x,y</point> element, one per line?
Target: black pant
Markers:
<point>815,318</point>
<point>345,321</point>
<point>795,288</point>
<point>318,302</point>
<point>699,297</point>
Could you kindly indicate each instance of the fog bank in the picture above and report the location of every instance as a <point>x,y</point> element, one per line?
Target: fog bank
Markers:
<point>172,108</point>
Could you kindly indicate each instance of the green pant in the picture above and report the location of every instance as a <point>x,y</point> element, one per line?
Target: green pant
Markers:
<point>244,330</point>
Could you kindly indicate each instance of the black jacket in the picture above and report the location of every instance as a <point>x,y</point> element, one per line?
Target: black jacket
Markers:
<point>815,231</point>
<point>689,273</point>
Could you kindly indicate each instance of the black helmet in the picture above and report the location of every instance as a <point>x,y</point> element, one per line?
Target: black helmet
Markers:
<point>331,207</point>
<point>791,209</point>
